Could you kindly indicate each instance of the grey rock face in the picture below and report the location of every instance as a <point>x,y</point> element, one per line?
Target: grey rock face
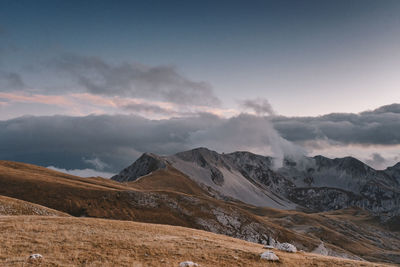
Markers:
<point>324,184</point>
<point>144,165</point>
<point>316,184</point>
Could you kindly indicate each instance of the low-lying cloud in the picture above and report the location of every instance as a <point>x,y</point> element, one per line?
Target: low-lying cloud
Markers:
<point>377,160</point>
<point>112,142</point>
<point>83,172</point>
<point>380,126</point>
<point>109,143</point>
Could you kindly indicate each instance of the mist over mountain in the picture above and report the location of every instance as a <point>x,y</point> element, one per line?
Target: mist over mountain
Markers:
<point>309,183</point>
<point>114,140</point>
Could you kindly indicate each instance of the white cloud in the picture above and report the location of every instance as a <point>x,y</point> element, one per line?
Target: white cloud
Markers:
<point>97,163</point>
<point>83,172</point>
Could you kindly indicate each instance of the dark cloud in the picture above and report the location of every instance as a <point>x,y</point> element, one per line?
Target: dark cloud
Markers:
<point>111,142</point>
<point>380,126</point>
<point>393,108</point>
<point>67,142</point>
<point>10,81</point>
<point>259,105</point>
<point>134,80</point>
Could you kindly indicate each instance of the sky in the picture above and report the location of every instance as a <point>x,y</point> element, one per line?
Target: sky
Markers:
<point>272,77</point>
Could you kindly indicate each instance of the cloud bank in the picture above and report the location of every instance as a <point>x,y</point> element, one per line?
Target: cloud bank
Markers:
<point>380,126</point>
<point>110,142</point>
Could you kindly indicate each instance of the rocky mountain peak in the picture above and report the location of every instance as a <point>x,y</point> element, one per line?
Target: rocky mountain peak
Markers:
<point>315,183</point>
<point>395,167</point>
<point>144,165</point>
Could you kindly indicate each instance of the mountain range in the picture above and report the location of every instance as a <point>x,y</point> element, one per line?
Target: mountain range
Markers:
<point>311,184</point>
<point>333,207</point>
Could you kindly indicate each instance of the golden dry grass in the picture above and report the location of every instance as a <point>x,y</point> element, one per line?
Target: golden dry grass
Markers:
<point>68,241</point>
<point>166,193</point>
<point>12,206</point>
<point>168,180</point>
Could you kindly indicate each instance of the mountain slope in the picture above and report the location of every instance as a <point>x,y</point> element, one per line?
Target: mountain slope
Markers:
<point>168,180</point>
<point>326,184</point>
<point>108,199</point>
<point>12,206</point>
<point>221,176</point>
<point>314,184</point>
<point>97,242</point>
<point>153,199</point>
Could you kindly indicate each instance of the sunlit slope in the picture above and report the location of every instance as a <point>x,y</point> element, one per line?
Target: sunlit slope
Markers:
<point>97,242</point>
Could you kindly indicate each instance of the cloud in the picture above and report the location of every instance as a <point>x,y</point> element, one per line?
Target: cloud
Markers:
<point>97,163</point>
<point>117,140</point>
<point>377,161</point>
<point>260,106</point>
<point>96,76</point>
<point>109,143</point>
<point>377,127</point>
<point>249,133</point>
<point>81,104</point>
<point>148,108</point>
<point>10,81</point>
<point>83,172</point>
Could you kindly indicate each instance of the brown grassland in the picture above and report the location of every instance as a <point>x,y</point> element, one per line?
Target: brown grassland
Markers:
<point>12,206</point>
<point>69,241</point>
<point>163,198</point>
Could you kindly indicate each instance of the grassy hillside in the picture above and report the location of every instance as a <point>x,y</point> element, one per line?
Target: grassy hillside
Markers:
<point>12,206</point>
<point>98,242</point>
<point>169,197</point>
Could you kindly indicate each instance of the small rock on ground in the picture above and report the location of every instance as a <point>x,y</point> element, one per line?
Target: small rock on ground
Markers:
<point>188,264</point>
<point>269,256</point>
<point>35,257</point>
<point>287,247</point>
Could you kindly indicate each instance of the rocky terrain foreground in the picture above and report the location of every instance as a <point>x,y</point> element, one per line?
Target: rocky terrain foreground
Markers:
<point>69,241</point>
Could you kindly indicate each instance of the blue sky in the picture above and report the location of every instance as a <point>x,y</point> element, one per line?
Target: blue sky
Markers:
<point>177,59</point>
<point>305,57</point>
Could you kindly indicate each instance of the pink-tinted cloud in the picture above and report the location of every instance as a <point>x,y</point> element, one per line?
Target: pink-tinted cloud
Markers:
<point>36,98</point>
<point>80,104</point>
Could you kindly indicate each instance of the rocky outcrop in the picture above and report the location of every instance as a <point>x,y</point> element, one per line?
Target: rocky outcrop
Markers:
<point>315,184</point>
<point>144,165</point>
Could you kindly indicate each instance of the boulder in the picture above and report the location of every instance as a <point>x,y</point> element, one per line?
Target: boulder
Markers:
<point>269,256</point>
